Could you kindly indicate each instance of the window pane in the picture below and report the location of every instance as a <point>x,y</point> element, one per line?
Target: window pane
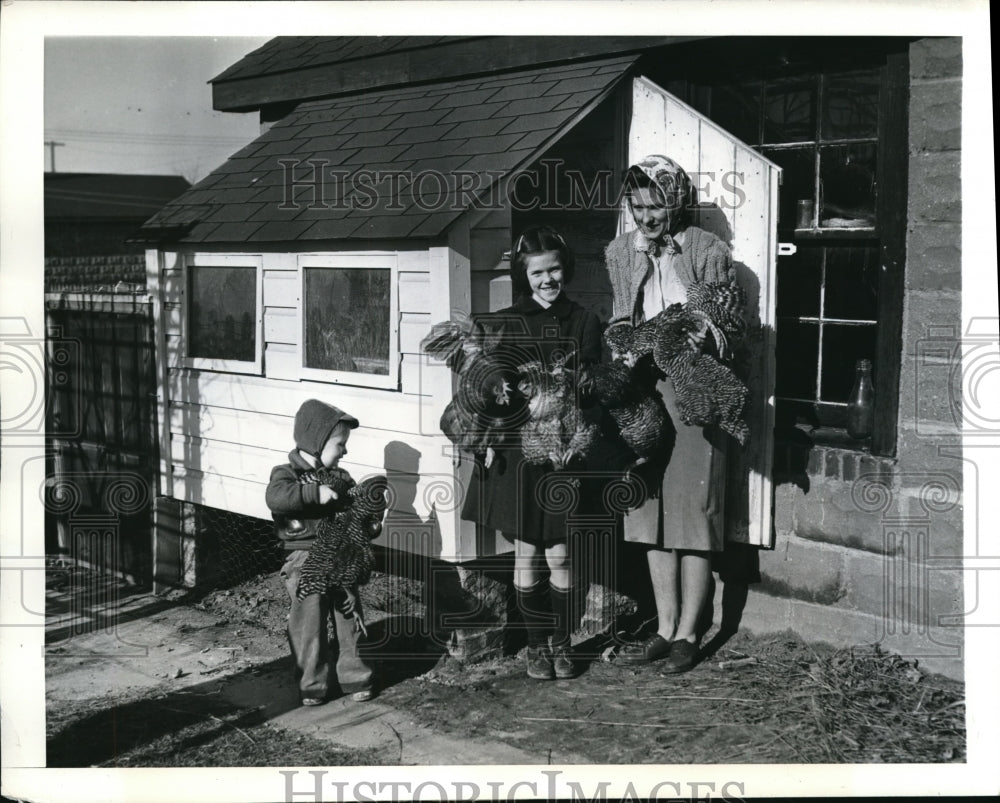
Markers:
<point>851,283</point>
<point>850,105</point>
<point>847,178</point>
<point>797,359</point>
<point>789,110</point>
<point>347,323</point>
<point>798,283</point>
<point>737,109</point>
<point>843,346</point>
<point>798,180</point>
<point>222,311</point>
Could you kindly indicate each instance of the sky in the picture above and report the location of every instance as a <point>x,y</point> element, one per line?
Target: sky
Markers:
<point>141,104</point>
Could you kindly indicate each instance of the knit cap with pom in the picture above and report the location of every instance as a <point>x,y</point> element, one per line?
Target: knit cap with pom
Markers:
<point>315,421</point>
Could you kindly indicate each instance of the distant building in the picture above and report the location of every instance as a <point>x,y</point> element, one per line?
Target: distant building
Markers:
<point>89,217</point>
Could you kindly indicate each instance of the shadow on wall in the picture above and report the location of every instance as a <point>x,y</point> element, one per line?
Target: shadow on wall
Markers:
<point>404,528</point>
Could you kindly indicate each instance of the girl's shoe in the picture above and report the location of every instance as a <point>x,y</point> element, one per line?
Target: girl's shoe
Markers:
<point>540,663</point>
<point>562,662</point>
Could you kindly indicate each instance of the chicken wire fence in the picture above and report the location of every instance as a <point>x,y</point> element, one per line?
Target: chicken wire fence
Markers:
<point>233,547</point>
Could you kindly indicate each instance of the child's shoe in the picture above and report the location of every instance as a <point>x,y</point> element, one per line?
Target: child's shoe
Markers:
<point>562,662</point>
<point>540,663</point>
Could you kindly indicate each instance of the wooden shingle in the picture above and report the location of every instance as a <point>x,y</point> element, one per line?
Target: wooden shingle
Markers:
<point>485,126</point>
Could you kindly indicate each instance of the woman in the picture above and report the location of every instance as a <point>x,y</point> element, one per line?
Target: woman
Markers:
<point>508,492</point>
<point>650,268</point>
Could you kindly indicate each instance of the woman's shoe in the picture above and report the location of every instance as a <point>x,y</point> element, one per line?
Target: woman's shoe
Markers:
<point>683,656</point>
<point>562,662</point>
<point>652,649</point>
<point>363,696</point>
<point>540,663</point>
<point>311,701</point>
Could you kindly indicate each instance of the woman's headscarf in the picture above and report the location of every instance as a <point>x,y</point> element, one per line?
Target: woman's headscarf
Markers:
<point>672,181</point>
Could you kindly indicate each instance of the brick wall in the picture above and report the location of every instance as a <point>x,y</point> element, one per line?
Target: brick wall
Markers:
<point>91,272</point>
<point>871,535</point>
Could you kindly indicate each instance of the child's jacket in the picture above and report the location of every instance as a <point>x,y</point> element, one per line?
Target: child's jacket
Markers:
<point>295,504</point>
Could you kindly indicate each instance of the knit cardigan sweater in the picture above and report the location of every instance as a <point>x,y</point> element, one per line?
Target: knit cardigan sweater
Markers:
<point>703,258</point>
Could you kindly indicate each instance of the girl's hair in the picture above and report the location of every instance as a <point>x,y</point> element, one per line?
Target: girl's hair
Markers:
<point>538,240</point>
<point>673,187</point>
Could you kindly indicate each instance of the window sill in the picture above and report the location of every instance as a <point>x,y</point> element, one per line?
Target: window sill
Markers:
<point>802,453</point>
<point>834,437</point>
<point>859,233</point>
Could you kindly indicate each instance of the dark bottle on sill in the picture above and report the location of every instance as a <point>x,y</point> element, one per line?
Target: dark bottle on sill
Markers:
<point>861,404</point>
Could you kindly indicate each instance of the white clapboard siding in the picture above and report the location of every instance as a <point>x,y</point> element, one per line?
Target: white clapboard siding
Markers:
<point>380,409</point>
<point>225,493</point>
<point>282,325</point>
<point>218,426</point>
<point>281,288</point>
<point>413,327</point>
<point>281,361</point>
<point>414,292</point>
<point>738,190</point>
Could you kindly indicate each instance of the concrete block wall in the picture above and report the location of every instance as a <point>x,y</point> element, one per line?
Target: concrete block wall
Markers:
<point>865,546</point>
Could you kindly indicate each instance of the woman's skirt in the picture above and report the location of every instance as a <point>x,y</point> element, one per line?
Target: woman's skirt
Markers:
<point>686,510</point>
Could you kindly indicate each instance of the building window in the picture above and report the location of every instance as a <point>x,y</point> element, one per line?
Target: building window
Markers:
<point>223,313</point>
<point>350,329</point>
<point>839,135</point>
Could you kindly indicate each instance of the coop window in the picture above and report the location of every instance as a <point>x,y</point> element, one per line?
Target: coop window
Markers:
<point>350,327</point>
<point>222,312</point>
<point>839,134</point>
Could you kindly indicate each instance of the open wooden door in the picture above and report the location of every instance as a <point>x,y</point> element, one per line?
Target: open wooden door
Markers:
<point>738,202</point>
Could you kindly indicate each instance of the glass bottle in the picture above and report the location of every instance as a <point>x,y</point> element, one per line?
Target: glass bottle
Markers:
<point>861,403</point>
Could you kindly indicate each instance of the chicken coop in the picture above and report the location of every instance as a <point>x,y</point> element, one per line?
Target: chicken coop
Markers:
<point>294,272</point>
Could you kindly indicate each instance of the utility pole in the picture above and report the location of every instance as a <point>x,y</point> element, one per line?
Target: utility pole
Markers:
<point>52,153</point>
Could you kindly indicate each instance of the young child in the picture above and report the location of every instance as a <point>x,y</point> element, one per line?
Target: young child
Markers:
<point>543,324</point>
<point>298,503</point>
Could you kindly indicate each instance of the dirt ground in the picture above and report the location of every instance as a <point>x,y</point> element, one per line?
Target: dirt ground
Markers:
<point>751,699</point>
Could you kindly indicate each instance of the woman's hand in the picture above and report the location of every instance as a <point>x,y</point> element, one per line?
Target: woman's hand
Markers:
<point>488,458</point>
<point>350,602</point>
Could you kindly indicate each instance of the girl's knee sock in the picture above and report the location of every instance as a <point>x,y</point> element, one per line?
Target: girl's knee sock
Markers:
<point>535,608</point>
<point>562,607</point>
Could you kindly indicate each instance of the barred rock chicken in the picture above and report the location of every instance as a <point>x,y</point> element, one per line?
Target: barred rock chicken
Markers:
<point>473,419</point>
<point>708,392</point>
<point>627,390</point>
<point>342,554</point>
<point>556,431</point>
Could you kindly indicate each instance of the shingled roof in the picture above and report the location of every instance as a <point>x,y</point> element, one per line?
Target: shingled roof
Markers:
<point>447,136</point>
<point>295,52</point>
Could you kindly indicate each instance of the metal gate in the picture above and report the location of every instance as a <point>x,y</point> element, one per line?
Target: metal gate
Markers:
<point>101,431</point>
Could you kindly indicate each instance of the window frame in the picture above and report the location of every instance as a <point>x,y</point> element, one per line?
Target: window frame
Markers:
<point>888,235</point>
<point>352,261</point>
<point>210,260</point>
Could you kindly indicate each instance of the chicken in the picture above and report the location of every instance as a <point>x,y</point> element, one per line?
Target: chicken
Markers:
<point>556,430</point>
<point>707,391</point>
<point>474,419</point>
<point>342,553</point>
<point>628,393</point>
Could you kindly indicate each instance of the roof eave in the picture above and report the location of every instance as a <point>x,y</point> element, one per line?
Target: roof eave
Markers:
<point>456,59</point>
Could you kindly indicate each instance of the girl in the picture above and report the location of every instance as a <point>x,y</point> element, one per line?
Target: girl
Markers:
<point>651,268</point>
<point>507,492</point>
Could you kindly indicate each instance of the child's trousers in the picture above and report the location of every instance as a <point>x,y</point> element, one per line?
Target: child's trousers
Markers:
<point>307,638</point>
